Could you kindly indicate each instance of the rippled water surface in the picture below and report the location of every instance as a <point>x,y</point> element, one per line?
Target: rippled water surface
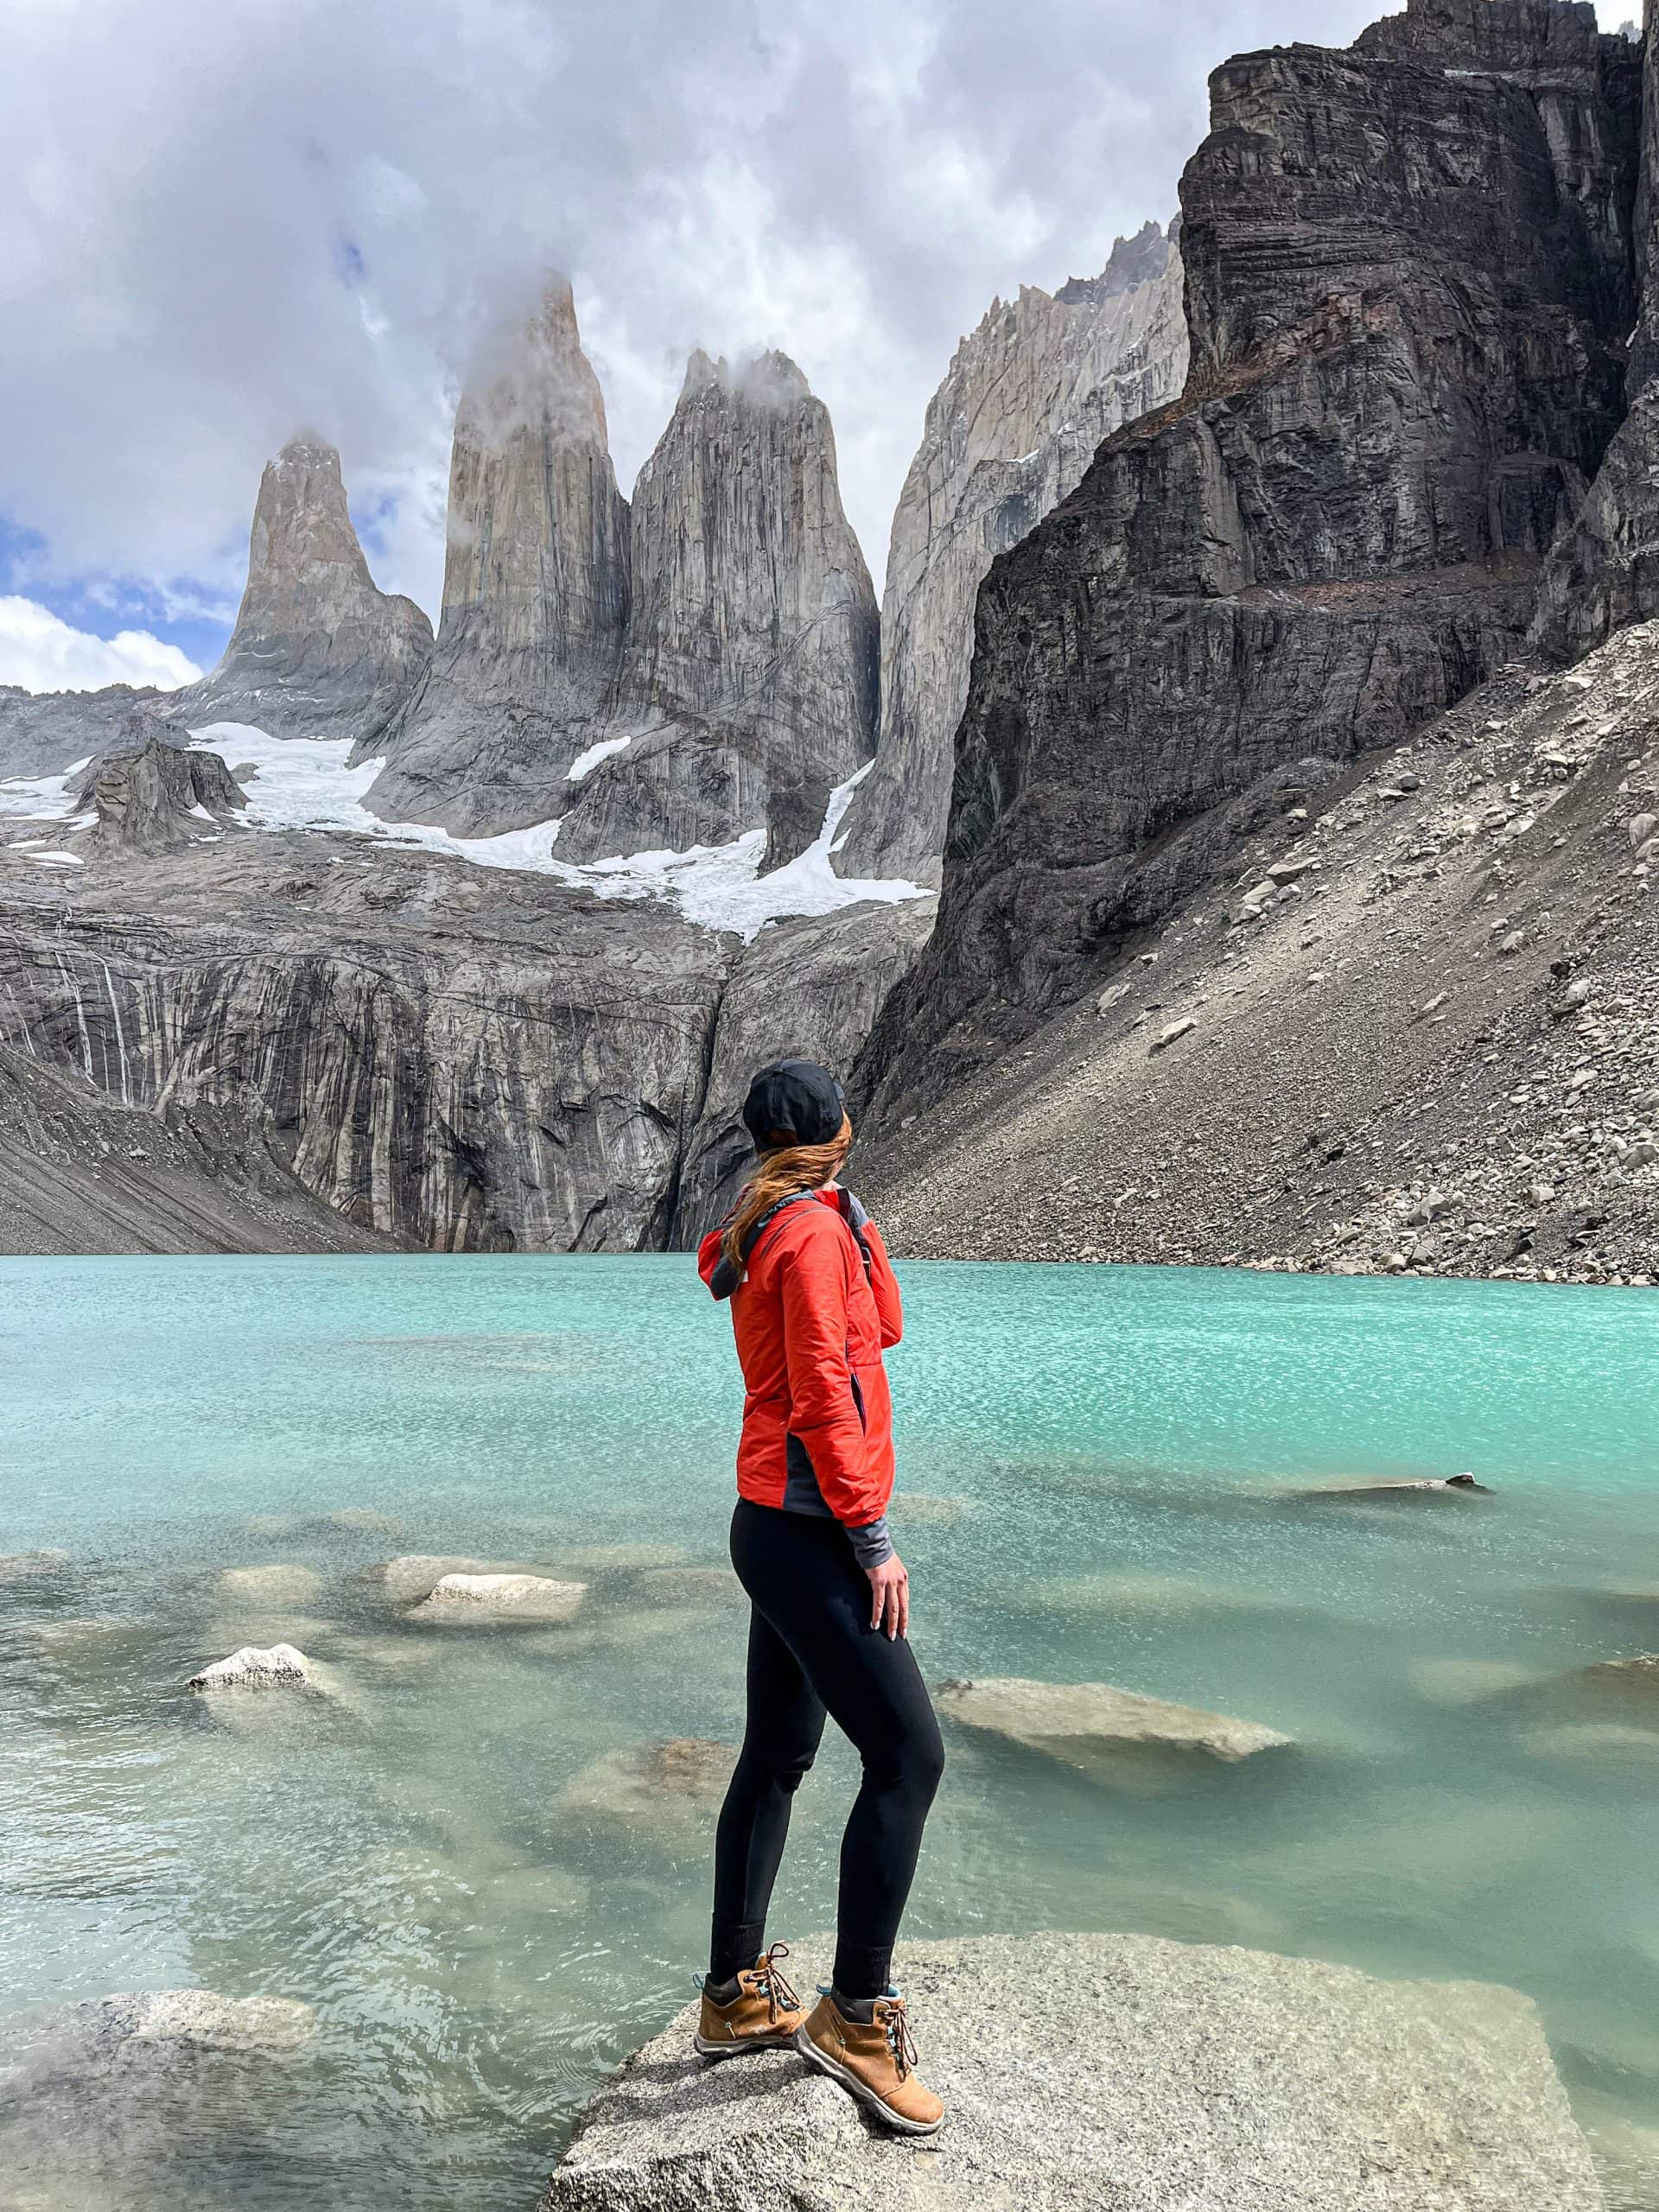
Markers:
<point>1104,1463</point>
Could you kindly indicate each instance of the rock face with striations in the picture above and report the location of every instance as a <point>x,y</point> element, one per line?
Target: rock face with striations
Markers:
<point>1604,572</point>
<point>1409,288</point>
<point>158,797</point>
<point>809,988</point>
<point>748,685</point>
<point>317,651</point>
<point>1028,398</point>
<point>1105,2072</point>
<point>535,592</point>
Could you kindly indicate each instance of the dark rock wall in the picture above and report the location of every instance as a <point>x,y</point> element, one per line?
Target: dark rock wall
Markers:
<point>1410,282</point>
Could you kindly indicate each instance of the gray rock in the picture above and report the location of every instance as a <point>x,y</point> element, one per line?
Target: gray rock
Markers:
<point>275,1584</point>
<point>530,1597</point>
<point>317,651</point>
<point>24,1567</point>
<point>44,734</point>
<point>536,592</point>
<point>156,797</point>
<point>748,690</point>
<point>1220,595</point>
<point>1087,1725</point>
<point>265,2027</point>
<point>1424,1486</point>
<point>1102,2073</point>
<point>281,1667</point>
<point>811,988</point>
<point>647,1788</point>
<point>1172,1035</point>
<point>415,1575</point>
<point>1028,397</point>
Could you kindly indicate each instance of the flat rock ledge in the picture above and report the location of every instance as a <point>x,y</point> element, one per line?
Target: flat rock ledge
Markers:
<point>1085,1723</point>
<point>1117,2072</point>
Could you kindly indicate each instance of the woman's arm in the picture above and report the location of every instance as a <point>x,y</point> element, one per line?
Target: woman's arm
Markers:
<point>823,1412</point>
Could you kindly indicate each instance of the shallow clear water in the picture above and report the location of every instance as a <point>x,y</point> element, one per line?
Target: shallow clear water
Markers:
<point>480,1948</point>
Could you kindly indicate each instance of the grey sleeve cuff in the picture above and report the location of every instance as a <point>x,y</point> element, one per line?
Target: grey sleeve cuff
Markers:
<point>872,1545</point>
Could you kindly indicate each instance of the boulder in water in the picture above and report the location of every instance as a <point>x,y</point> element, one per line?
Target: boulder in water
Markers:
<point>269,2027</point>
<point>1422,1486</point>
<point>1087,1725</point>
<point>415,1575</point>
<point>454,1597</point>
<point>674,1784</point>
<point>1107,2072</point>
<point>23,1567</point>
<point>277,1585</point>
<point>280,1668</point>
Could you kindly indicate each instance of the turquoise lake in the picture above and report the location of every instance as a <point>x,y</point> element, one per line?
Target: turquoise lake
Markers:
<point>1107,1465</point>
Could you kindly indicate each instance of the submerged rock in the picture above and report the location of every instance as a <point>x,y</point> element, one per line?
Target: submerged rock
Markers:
<point>280,1668</point>
<point>677,1782</point>
<point>1084,1725</point>
<point>23,1567</point>
<point>532,1596</point>
<point>276,1585</point>
<point>1420,1486</point>
<point>271,2027</point>
<point>417,1574</point>
<point>1102,2073</point>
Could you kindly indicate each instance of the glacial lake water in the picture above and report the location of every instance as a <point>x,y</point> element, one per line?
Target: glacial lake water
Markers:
<point>416,1857</point>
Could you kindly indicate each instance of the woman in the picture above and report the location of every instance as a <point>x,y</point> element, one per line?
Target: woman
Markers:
<point>814,1303</point>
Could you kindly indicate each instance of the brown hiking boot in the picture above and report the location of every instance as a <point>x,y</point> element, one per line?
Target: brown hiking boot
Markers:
<point>763,2016</point>
<point>875,2060</point>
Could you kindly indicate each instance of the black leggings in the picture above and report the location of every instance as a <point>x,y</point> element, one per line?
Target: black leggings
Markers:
<point>812,1651</point>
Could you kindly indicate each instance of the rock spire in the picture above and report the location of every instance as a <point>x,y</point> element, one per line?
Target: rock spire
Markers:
<point>317,651</point>
<point>536,590</point>
<point>748,687</point>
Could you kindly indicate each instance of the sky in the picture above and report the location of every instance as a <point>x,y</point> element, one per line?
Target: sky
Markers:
<point>220,226</point>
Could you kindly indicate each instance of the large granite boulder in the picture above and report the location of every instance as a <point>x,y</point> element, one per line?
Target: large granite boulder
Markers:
<point>1092,1726</point>
<point>157,797</point>
<point>1115,2074</point>
<point>748,685</point>
<point>1027,401</point>
<point>536,592</point>
<point>317,650</point>
<point>1408,287</point>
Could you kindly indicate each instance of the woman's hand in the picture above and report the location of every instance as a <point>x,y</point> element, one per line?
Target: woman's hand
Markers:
<point>890,1596</point>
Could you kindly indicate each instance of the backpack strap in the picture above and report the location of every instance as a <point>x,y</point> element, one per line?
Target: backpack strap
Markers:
<point>726,1277</point>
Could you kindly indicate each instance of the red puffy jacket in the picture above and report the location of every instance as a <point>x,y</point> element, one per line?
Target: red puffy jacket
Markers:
<point>812,1322</point>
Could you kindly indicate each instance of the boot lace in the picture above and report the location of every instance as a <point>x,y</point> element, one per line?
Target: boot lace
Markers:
<point>770,1983</point>
<point>901,2041</point>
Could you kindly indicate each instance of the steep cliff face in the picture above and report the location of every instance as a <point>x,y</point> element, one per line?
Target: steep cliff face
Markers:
<point>458,1058</point>
<point>1409,286</point>
<point>748,684</point>
<point>809,988</point>
<point>317,651</point>
<point>1028,398</point>
<point>536,592</point>
<point>1603,571</point>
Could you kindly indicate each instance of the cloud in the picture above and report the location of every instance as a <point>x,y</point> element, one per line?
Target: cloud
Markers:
<point>222,223</point>
<point>41,653</point>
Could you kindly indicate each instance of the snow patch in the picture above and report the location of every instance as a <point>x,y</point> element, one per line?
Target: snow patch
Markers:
<point>41,798</point>
<point>585,763</point>
<point>300,783</point>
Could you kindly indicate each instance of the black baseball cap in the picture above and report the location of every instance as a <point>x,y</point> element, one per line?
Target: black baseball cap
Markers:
<point>794,1102</point>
